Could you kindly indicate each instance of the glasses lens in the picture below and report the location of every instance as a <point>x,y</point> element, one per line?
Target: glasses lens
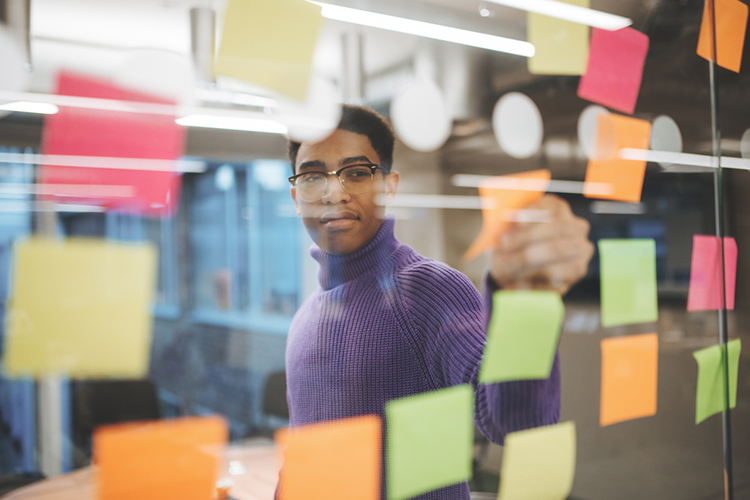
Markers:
<point>357,180</point>
<point>312,186</point>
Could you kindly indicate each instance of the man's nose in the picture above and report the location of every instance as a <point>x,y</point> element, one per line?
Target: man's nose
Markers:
<point>335,192</point>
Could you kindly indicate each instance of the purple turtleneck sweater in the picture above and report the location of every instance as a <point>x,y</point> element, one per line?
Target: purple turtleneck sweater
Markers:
<point>388,323</point>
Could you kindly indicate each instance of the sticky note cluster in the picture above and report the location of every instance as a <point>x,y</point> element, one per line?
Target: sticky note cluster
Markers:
<point>539,463</point>
<point>710,395</point>
<point>522,335</point>
<point>75,137</point>
<point>176,458</point>
<point>80,308</point>
<point>705,293</point>
<point>628,281</point>
<point>270,43</point>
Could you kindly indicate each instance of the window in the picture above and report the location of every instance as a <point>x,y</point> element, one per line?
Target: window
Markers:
<point>244,240</point>
<point>161,233</point>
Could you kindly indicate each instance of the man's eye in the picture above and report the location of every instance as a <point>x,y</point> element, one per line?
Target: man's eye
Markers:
<point>311,178</point>
<point>359,173</point>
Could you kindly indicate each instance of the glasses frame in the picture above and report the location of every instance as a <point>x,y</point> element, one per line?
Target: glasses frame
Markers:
<point>373,168</point>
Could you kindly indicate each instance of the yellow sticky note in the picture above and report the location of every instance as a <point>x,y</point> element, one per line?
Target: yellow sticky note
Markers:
<point>539,463</point>
<point>80,307</point>
<point>562,47</point>
<point>269,43</point>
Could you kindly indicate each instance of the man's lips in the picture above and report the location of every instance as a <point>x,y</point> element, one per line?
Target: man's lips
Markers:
<point>335,216</point>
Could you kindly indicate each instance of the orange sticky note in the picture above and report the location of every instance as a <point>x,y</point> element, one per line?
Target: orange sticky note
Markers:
<point>624,178</point>
<point>177,458</point>
<point>731,23</point>
<point>334,460</point>
<point>501,197</point>
<point>629,378</point>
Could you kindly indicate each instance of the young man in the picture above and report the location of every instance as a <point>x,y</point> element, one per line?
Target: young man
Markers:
<point>388,323</point>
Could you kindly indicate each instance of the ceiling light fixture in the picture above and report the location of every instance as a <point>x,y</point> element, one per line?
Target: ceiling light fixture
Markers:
<point>568,12</point>
<point>233,123</point>
<point>42,108</point>
<point>687,159</point>
<point>553,186</point>
<point>426,30</point>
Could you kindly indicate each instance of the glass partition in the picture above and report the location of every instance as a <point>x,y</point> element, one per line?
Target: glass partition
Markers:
<point>232,313</point>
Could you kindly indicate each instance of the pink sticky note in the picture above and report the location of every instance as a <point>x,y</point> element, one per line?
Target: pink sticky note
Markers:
<point>705,273</point>
<point>115,159</point>
<point>615,68</point>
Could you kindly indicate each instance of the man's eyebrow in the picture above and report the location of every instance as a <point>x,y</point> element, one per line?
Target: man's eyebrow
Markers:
<point>355,159</point>
<point>311,164</point>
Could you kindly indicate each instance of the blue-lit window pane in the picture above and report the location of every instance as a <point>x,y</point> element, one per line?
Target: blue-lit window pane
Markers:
<point>279,248</point>
<point>15,210</point>
<point>159,232</point>
<point>244,240</point>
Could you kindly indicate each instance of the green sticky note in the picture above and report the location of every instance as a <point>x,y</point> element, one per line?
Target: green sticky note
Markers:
<point>522,335</point>
<point>562,47</point>
<point>628,281</point>
<point>429,441</point>
<point>709,397</point>
<point>269,43</point>
<point>539,464</point>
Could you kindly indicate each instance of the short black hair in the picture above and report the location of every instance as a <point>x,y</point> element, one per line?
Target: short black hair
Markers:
<point>365,121</point>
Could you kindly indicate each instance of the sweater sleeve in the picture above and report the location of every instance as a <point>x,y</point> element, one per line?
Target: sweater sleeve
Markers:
<point>522,404</point>
<point>450,319</point>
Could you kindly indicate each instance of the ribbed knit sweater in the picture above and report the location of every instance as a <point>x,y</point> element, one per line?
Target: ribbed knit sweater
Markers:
<point>387,323</point>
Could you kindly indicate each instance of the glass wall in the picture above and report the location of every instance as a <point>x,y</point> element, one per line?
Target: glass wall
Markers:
<point>231,261</point>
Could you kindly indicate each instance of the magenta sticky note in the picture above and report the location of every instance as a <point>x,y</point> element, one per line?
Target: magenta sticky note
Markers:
<point>615,68</point>
<point>705,273</point>
<point>85,147</point>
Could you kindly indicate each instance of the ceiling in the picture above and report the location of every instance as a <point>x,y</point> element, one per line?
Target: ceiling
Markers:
<point>97,36</point>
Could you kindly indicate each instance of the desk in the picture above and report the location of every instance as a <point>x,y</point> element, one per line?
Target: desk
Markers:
<point>257,483</point>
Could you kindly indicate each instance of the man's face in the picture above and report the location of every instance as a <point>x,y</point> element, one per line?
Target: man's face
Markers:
<point>341,223</point>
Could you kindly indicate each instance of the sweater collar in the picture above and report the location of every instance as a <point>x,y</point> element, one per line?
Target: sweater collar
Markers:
<point>336,270</point>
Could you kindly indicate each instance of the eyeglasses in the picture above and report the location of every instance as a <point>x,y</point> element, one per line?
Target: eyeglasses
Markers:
<point>354,179</point>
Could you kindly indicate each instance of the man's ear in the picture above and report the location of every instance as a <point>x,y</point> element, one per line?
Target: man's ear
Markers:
<point>391,186</point>
<point>293,192</point>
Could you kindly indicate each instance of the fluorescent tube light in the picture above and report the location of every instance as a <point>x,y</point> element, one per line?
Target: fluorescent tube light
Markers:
<point>688,159</point>
<point>105,162</point>
<point>233,123</point>
<point>426,30</point>
<point>230,97</point>
<point>616,207</point>
<point>42,108</point>
<point>569,12</point>
<point>431,201</point>
<point>576,187</point>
